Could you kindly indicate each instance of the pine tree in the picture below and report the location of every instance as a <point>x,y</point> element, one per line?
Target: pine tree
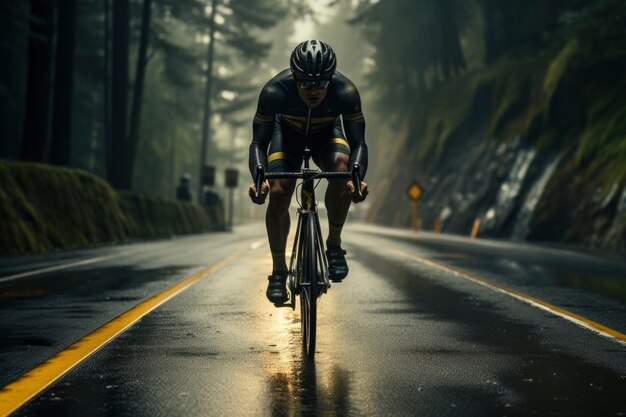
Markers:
<point>39,83</point>
<point>61,134</point>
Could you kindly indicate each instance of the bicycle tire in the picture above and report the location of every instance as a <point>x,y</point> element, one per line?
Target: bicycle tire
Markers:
<point>309,292</point>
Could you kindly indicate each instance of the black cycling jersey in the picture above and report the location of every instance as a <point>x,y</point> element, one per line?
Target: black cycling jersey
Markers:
<point>280,104</point>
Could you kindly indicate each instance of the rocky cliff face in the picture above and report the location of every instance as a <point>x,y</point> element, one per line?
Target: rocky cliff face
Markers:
<point>533,148</point>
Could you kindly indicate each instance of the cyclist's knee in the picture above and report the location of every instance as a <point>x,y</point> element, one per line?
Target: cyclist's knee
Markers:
<point>336,161</point>
<point>281,192</point>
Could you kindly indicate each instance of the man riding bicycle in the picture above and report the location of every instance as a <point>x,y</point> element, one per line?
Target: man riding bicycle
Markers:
<point>304,106</point>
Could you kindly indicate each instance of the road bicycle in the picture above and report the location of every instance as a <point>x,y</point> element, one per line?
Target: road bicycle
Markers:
<point>308,268</point>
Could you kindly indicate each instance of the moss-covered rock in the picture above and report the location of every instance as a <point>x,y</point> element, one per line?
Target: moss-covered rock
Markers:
<point>44,207</point>
<point>150,217</point>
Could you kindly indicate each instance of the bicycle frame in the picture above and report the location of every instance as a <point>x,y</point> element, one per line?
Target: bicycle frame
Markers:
<point>308,207</point>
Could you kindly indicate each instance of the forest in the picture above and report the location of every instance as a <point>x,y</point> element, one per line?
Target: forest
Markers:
<point>127,89</point>
<point>468,95</point>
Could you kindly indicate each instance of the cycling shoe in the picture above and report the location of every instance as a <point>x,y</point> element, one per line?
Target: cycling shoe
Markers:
<point>337,265</point>
<point>276,288</point>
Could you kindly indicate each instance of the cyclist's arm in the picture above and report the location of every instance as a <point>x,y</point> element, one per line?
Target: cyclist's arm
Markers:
<point>262,128</point>
<point>354,127</point>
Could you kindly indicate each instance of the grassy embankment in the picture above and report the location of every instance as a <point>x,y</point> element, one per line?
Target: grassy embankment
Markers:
<point>45,207</point>
<point>565,104</point>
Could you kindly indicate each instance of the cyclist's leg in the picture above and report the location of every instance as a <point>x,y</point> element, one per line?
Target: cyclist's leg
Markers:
<point>282,156</point>
<point>337,197</point>
<point>334,157</point>
<point>277,221</point>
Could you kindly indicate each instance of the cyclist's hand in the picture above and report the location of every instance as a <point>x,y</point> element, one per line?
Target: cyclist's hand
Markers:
<point>265,189</point>
<point>355,196</point>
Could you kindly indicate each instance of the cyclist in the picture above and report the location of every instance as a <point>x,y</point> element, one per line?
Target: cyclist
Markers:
<point>303,106</point>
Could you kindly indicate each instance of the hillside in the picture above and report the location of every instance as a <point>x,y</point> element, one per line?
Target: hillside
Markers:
<point>533,146</point>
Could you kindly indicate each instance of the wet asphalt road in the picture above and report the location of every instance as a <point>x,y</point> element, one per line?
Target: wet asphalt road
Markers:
<point>397,337</point>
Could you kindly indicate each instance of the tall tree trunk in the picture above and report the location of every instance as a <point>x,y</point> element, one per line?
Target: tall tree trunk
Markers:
<point>119,95</point>
<point>107,88</point>
<point>13,75</point>
<point>172,161</point>
<point>63,84</point>
<point>206,125</point>
<point>39,84</point>
<point>135,115</point>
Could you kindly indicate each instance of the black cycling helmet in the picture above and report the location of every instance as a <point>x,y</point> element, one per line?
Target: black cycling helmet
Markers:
<point>313,59</point>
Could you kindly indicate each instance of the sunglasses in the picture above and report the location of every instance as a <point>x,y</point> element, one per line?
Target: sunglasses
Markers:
<point>311,84</point>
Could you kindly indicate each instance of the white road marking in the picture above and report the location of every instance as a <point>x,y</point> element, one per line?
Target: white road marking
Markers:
<point>533,301</point>
<point>56,268</point>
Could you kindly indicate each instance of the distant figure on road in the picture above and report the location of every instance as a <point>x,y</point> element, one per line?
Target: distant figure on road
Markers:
<point>183,191</point>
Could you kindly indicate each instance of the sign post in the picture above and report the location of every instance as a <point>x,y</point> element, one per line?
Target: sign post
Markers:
<point>232,179</point>
<point>415,192</point>
<point>208,175</point>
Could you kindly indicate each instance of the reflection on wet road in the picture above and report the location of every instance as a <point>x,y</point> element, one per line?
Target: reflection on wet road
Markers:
<point>397,337</point>
<point>295,384</point>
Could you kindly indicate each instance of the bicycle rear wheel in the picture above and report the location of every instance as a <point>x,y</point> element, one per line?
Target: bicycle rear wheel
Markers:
<point>308,288</point>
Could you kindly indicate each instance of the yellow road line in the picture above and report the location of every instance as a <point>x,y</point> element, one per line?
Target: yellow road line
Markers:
<point>536,302</point>
<point>17,393</point>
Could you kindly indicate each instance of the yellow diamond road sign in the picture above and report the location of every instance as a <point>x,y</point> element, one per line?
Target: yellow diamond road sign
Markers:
<point>414,191</point>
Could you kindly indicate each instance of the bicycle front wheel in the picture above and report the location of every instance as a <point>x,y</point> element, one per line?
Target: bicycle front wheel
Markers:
<point>308,289</point>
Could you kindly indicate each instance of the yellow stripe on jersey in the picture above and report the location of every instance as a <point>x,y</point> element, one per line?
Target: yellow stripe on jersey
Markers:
<point>314,120</point>
<point>299,119</point>
<point>340,141</point>
<point>353,117</point>
<point>277,155</point>
<point>322,120</point>
<point>262,118</point>
<point>299,122</point>
<point>295,124</point>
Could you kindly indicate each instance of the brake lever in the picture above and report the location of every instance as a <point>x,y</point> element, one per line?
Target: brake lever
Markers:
<point>356,180</point>
<point>260,176</point>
